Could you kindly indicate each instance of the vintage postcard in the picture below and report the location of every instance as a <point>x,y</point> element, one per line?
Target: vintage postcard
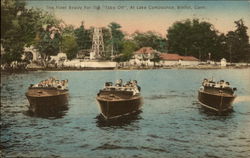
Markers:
<point>133,78</point>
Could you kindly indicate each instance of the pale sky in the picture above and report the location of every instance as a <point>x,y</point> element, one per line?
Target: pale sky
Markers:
<point>145,16</point>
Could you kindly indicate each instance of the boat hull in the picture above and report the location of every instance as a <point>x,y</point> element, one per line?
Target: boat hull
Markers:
<point>50,101</point>
<point>116,108</point>
<point>216,102</point>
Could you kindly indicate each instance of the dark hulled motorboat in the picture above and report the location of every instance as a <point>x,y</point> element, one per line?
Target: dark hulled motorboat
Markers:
<point>217,96</point>
<point>48,96</point>
<point>119,100</point>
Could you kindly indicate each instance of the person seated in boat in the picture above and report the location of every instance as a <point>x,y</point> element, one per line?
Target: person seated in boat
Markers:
<point>225,84</point>
<point>136,90</point>
<point>41,84</point>
<point>128,84</point>
<point>108,84</point>
<point>205,82</point>
<point>217,85</point>
<point>221,83</point>
<point>139,88</point>
<point>131,84</point>
<point>211,84</point>
<point>53,83</point>
<point>52,78</point>
<point>57,84</point>
<point>136,86</point>
<point>46,83</point>
<point>64,84</point>
<point>50,84</point>
<point>118,83</point>
<point>34,85</point>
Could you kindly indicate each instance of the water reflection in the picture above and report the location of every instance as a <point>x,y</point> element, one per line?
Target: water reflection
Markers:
<point>49,113</point>
<point>118,122</point>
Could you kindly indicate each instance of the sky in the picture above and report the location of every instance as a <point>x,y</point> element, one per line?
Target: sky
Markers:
<point>144,16</point>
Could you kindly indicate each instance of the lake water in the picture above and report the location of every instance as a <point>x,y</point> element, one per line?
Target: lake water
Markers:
<point>171,123</point>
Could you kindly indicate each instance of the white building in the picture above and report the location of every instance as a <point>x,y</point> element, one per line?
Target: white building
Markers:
<point>143,57</point>
<point>35,55</point>
<point>188,60</point>
<point>223,62</point>
<point>168,59</point>
<point>59,58</point>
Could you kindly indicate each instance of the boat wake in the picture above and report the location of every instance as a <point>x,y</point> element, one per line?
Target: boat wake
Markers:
<point>242,99</point>
<point>121,121</point>
<point>161,96</point>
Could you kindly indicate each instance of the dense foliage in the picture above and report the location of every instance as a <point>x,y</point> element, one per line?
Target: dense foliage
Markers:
<point>150,39</point>
<point>83,38</point>
<point>69,42</point>
<point>193,38</point>
<point>129,46</point>
<point>117,37</point>
<point>200,39</point>
<point>22,27</point>
<point>238,43</point>
<point>18,28</point>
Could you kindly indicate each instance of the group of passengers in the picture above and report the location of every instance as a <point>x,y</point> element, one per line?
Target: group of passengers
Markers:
<point>128,86</point>
<point>211,83</point>
<point>53,82</point>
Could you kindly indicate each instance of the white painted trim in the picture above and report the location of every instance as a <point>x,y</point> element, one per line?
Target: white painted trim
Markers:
<point>208,106</point>
<point>119,115</point>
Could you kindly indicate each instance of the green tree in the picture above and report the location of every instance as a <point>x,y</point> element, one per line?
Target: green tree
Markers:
<point>150,39</point>
<point>49,42</point>
<point>69,44</point>
<point>156,58</point>
<point>18,28</point>
<point>128,47</point>
<point>107,42</point>
<point>117,37</point>
<point>83,37</point>
<point>194,38</point>
<point>48,36</point>
<point>237,41</point>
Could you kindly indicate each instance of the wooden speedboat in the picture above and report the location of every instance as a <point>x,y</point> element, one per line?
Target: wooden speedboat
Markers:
<point>47,96</point>
<point>119,100</point>
<point>218,96</point>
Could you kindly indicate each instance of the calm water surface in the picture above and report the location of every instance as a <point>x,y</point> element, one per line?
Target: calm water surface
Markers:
<point>171,123</point>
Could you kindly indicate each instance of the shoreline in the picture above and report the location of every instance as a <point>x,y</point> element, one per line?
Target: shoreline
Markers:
<point>198,67</point>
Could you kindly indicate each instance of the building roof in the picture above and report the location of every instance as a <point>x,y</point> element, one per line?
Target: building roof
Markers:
<point>145,50</point>
<point>176,57</point>
<point>189,58</point>
<point>168,56</point>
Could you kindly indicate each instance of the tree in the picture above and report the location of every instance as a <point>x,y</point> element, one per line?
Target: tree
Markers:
<point>83,37</point>
<point>150,39</point>
<point>69,44</point>
<point>128,47</point>
<point>238,43</point>
<point>18,28</point>
<point>49,42</point>
<point>156,58</point>
<point>22,27</point>
<point>117,37</point>
<point>48,36</point>
<point>107,39</point>
<point>194,38</point>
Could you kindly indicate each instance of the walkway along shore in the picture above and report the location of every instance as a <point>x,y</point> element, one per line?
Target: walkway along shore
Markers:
<point>203,67</point>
